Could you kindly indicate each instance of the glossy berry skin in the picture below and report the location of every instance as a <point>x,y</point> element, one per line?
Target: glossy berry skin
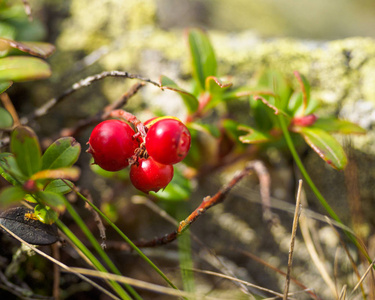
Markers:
<point>111,144</point>
<point>168,141</point>
<point>149,175</point>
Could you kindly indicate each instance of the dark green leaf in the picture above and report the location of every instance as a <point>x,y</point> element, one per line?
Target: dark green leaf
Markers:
<point>11,195</point>
<point>21,221</point>
<point>4,85</point>
<point>62,153</point>
<point>54,200</point>
<point>255,136</point>
<point>26,149</point>
<point>203,56</point>
<point>179,189</point>
<point>71,173</point>
<point>6,119</point>
<point>23,68</point>
<point>190,101</point>
<point>327,147</point>
<point>59,186</point>
<point>339,126</point>
<point>45,214</point>
<point>34,48</point>
<point>10,170</point>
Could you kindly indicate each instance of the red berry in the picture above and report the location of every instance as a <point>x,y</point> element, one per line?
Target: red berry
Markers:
<point>111,144</point>
<point>149,175</point>
<point>304,121</point>
<point>168,141</point>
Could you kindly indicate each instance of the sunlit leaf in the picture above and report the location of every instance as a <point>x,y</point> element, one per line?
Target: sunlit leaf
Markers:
<point>62,153</point>
<point>34,48</point>
<point>190,101</point>
<point>11,195</point>
<point>339,126</point>
<point>23,222</point>
<point>71,173</point>
<point>26,149</point>
<point>119,175</point>
<point>203,56</point>
<point>54,200</point>
<point>45,214</point>
<point>6,119</point>
<point>255,136</point>
<point>59,186</point>
<point>327,147</point>
<point>23,68</point>
<point>207,128</point>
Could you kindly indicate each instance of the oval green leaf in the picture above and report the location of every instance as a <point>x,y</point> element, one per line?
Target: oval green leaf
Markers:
<point>255,136</point>
<point>203,56</point>
<point>325,145</point>
<point>4,85</point>
<point>45,214</point>
<point>190,101</point>
<point>10,170</point>
<point>62,153</point>
<point>26,149</point>
<point>54,200</point>
<point>339,126</point>
<point>71,173</point>
<point>23,68</point>
<point>11,195</point>
<point>59,186</point>
<point>34,48</point>
<point>6,119</point>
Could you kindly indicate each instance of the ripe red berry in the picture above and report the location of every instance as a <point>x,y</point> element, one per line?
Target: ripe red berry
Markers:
<point>168,141</point>
<point>111,144</point>
<point>149,175</point>
<point>304,121</point>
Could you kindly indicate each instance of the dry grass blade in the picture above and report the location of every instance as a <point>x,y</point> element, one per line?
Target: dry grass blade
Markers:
<point>364,276</point>
<point>297,214</point>
<point>343,293</point>
<point>60,264</point>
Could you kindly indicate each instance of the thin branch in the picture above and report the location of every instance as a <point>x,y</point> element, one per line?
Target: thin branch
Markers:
<point>44,109</point>
<point>297,213</point>
<point>8,105</point>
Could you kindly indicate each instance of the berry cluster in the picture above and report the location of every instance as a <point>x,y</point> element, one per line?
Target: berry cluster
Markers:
<point>151,152</point>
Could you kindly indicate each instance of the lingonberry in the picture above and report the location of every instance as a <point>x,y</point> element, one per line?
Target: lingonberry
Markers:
<point>149,175</point>
<point>304,121</point>
<point>111,144</point>
<point>168,141</point>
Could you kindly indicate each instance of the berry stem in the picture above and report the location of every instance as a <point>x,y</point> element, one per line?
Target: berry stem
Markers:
<point>122,114</point>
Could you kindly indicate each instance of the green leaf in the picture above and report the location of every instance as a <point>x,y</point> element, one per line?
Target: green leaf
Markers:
<point>45,214</point>
<point>327,147</point>
<point>59,186</point>
<point>203,56</point>
<point>23,68</point>
<point>4,85</point>
<point>10,170</point>
<point>30,198</point>
<point>54,200</point>
<point>11,195</point>
<point>62,153</point>
<point>255,136</point>
<point>34,48</point>
<point>207,128</point>
<point>190,101</point>
<point>339,126</point>
<point>216,89</point>
<point>179,189</point>
<point>232,129</point>
<point>296,105</point>
<point>6,119</point>
<point>71,173</point>
<point>26,149</point>
<point>305,88</point>
<point>120,175</point>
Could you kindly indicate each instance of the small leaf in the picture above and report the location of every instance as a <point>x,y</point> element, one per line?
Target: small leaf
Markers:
<point>339,126</point>
<point>11,195</point>
<point>254,136</point>
<point>59,186</point>
<point>327,147</point>
<point>216,89</point>
<point>232,129</point>
<point>120,175</point>
<point>305,87</point>
<point>71,173</point>
<point>62,153</point>
<point>190,101</point>
<point>54,200</point>
<point>26,149</point>
<point>34,48</point>
<point>207,128</point>
<point>203,56</point>
<point>21,221</point>
<point>4,85</point>
<point>6,119</point>
<point>23,68</point>
<point>179,189</point>
<point>10,170</point>
<point>45,214</point>
<point>30,198</point>
<point>296,105</point>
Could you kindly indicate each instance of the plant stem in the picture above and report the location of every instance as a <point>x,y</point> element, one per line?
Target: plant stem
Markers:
<point>97,247</point>
<point>136,249</point>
